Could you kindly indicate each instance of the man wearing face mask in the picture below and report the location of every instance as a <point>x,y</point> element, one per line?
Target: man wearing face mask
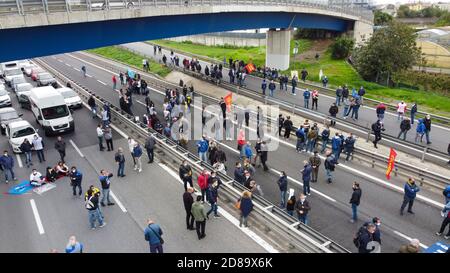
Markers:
<point>410,194</point>
<point>7,164</point>
<point>36,178</point>
<point>239,173</point>
<point>247,180</point>
<point>75,180</point>
<point>213,178</point>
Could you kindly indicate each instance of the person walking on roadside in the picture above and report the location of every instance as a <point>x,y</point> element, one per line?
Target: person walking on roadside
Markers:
<point>330,164</point>
<point>420,130</point>
<point>202,181</point>
<point>287,127</point>
<point>413,112</point>
<point>91,204</point>
<point>304,74</point>
<point>114,82</point>
<point>380,110</point>
<point>106,183</point>
<point>60,146</point>
<point>301,139</point>
<point>427,123</point>
<point>338,96</point>
<point>93,105</point>
<point>264,86</point>
<point>377,127</point>
<point>213,194</point>
<point>405,125</point>
<point>411,190</point>
<point>336,144</point>
<point>131,143</point>
<point>188,200</point>
<point>306,177</point>
<point>315,98</point>
<point>302,208</point>
<point>294,84</point>
<point>152,235</point>
<point>26,148</point>
<point>315,162</point>
<point>446,214</point>
<point>137,154</point>
<point>349,146</point>
<point>75,180</point>
<point>120,160</point>
<point>107,134</point>
<point>38,145</point>
<point>271,88</point>
<point>198,211</point>
<point>100,137</point>
<point>245,207</point>
<point>185,173</point>
<point>150,146</point>
<point>7,164</point>
<point>73,246</point>
<point>401,109</point>
<point>354,201</point>
<point>333,111</point>
<point>306,96</point>
<point>283,184</point>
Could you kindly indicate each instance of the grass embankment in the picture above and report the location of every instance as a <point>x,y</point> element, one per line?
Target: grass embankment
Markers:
<point>130,58</point>
<point>339,72</point>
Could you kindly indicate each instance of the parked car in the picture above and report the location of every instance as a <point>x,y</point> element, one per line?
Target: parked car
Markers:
<point>44,79</point>
<point>17,80</point>
<point>35,72</point>
<point>8,115</point>
<point>7,65</point>
<point>23,87</point>
<point>24,100</point>
<point>9,73</point>
<point>129,4</point>
<point>17,131</point>
<point>28,69</point>
<point>5,100</point>
<point>71,98</point>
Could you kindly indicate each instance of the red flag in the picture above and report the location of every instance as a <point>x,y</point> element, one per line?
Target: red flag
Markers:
<point>391,163</point>
<point>250,68</point>
<point>228,99</point>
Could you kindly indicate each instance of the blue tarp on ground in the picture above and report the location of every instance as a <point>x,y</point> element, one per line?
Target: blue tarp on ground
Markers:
<point>21,188</point>
<point>439,247</point>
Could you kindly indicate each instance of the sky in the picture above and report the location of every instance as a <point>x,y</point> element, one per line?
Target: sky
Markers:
<point>408,1</point>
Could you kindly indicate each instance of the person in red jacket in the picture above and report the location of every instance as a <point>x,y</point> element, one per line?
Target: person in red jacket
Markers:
<point>114,82</point>
<point>202,182</point>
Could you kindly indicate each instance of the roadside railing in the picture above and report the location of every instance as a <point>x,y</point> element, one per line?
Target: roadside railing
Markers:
<point>286,231</point>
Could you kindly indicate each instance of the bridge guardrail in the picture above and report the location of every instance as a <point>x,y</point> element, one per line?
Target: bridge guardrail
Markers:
<point>431,179</point>
<point>295,234</point>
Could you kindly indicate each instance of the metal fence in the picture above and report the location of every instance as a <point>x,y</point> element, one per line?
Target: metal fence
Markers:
<point>23,7</point>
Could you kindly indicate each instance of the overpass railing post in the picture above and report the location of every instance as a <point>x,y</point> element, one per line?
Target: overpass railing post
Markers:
<point>67,6</point>
<point>20,7</point>
<point>45,5</point>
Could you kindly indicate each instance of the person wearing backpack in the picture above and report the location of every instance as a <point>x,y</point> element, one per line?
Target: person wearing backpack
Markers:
<point>306,96</point>
<point>446,214</point>
<point>330,164</point>
<point>152,234</point>
<point>300,139</point>
<point>287,127</point>
<point>363,237</point>
<point>91,204</point>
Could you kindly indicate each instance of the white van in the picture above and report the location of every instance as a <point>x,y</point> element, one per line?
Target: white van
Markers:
<point>50,110</point>
<point>4,66</point>
<point>17,132</point>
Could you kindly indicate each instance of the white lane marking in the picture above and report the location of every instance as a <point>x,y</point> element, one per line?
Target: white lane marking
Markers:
<point>37,217</point>
<point>53,57</point>
<point>121,206</point>
<point>408,238</point>
<point>68,65</point>
<point>59,60</point>
<point>88,75</point>
<point>77,69</point>
<point>260,241</point>
<point>375,179</point>
<point>76,148</point>
<point>19,160</point>
<point>101,82</point>
<point>140,102</point>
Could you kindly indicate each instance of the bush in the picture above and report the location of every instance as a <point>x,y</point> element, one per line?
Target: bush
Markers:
<point>439,83</point>
<point>342,47</point>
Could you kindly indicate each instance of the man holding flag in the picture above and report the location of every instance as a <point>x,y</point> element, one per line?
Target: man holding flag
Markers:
<point>228,99</point>
<point>391,163</point>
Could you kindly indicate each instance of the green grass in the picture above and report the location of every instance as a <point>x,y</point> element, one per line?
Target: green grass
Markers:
<point>132,59</point>
<point>339,72</point>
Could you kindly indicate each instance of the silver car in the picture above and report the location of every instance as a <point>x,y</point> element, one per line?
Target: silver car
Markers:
<point>44,79</point>
<point>8,115</point>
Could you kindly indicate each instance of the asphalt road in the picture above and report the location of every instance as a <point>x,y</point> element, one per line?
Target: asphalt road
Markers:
<point>330,209</point>
<point>140,197</point>
<point>367,115</point>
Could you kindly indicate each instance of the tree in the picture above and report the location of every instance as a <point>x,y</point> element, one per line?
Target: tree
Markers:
<point>342,47</point>
<point>381,18</point>
<point>390,50</point>
<point>444,20</point>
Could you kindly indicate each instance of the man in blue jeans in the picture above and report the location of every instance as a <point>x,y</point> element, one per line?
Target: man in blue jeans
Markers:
<point>152,235</point>
<point>7,164</point>
<point>120,160</point>
<point>356,197</point>
<point>302,207</point>
<point>91,203</point>
<point>106,183</point>
<point>306,96</point>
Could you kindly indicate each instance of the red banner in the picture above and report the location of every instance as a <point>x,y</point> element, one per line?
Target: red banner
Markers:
<point>250,68</point>
<point>228,99</point>
<point>391,163</point>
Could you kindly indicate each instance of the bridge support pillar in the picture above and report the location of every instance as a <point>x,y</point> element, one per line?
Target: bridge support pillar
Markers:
<point>278,48</point>
<point>362,31</point>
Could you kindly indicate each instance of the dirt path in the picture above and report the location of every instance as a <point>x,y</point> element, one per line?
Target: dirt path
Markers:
<point>318,46</point>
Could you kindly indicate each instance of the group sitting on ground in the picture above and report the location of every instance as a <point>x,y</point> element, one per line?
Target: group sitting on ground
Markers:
<point>51,175</point>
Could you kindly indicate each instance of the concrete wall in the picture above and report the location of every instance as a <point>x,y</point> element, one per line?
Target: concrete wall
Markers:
<point>278,49</point>
<point>212,40</point>
<point>361,30</point>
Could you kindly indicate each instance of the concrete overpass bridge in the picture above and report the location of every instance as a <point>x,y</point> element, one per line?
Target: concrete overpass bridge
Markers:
<point>33,28</point>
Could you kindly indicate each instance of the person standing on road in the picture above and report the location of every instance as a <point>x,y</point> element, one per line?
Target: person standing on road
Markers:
<point>312,137</point>
<point>203,146</point>
<point>83,70</point>
<point>264,86</point>
<point>446,214</point>
<point>287,127</point>
<point>73,246</point>
<point>315,98</point>
<point>264,155</point>
<point>202,181</point>
<point>91,204</point>
<point>107,134</point>
<point>150,146</point>
<point>60,146</point>
<point>93,105</point>
<point>427,123</point>
<point>365,236</point>
<point>245,207</point>
<point>306,177</point>
<point>120,160</point>
<point>188,200</point>
<point>122,78</point>
<point>306,96</point>
<point>354,200</point>
<point>401,109</point>
<point>75,180</point>
<point>131,144</point>
<point>294,84</point>
<point>26,148</point>
<point>315,162</point>
<point>114,82</point>
<point>185,173</point>
<point>7,164</point>
<point>405,125</point>
<point>420,130</point>
<point>106,183</point>
<point>100,137</point>
<point>411,190</point>
<point>271,88</point>
<point>413,112</point>
<point>361,93</point>
<point>152,234</point>
<point>325,81</point>
<point>380,110</point>
<point>198,211</point>
<point>301,139</point>
<point>283,184</point>
<point>333,113</point>
<point>349,146</point>
<point>338,96</point>
<point>377,128</point>
<point>325,138</point>
<point>336,144</point>
<point>239,173</point>
<point>213,194</point>
<point>304,74</point>
<point>137,154</point>
<point>330,164</point>
<point>302,207</point>
<point>38,145</point>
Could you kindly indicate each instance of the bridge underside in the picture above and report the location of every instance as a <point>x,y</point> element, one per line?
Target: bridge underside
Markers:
<point>21,43</point>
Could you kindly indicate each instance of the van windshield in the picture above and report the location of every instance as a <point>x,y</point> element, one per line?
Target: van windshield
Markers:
<point>55,112</point>
<point>23,132</point>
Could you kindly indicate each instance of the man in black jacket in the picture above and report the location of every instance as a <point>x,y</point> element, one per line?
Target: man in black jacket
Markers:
<point>356,197</point>
<point>106,183</point>
<point>149,146</point>
<point>376,128</point>
<point>427,122</point>
<point>333,113</point>
<point>365,238</point>
<point>239,173</point>
<point>287,127</point>
<point>188,200</point>
<point>60,146</point>
<point>185,173</point>
<point>349,145</point>
<point>91,204</point>
<point>280,123</point>
<point>405,125</point>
